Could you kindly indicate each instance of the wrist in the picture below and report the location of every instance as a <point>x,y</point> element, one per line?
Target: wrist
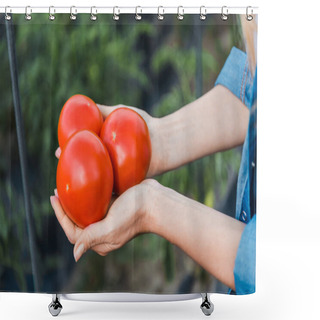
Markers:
<point>156,146</point>
<point>151,194</point>
<point>160,204</point>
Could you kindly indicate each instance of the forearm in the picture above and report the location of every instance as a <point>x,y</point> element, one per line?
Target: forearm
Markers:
<point>206,235</point>
<point>217,121</point>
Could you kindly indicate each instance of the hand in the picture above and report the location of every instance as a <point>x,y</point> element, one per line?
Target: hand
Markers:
<point>151,123</point>
<point>125,219</point>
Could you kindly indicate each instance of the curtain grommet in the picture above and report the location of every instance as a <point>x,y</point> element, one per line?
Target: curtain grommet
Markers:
<point>7,13</point>
<point>203,13</point>
<point>249,16</point>
<point>116,14</point>
<point>93,15</point>
<point>28,12</point>
<point>52,11</point>
<point>180,15</point>
<point>160,14</point>
<point>138,16</point>
<point>73,13</point>
<point>224,13</point>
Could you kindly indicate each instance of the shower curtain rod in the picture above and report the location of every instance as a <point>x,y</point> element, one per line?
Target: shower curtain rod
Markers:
<point>28,10</point>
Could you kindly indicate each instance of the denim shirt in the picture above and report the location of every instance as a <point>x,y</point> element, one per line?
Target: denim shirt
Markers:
<point>235,75</point>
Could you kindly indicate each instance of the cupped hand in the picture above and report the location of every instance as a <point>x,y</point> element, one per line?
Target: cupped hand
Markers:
<point>126,218</point>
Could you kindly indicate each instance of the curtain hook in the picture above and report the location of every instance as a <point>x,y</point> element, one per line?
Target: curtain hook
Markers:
<point>138,15</point>
<point>180,13</point>
<point>7,12</point>
<point>28,13</point>
<point>73,13</point>
<point>160,15</point>
<point>52,11</point>
<point>93,16</point>
<point>116,15</point>
<point>249,17</point>
<point>224,13</point>
<point>203,13</point>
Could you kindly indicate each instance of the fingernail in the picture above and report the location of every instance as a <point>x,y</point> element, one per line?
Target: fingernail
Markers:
<point>58,153</point>
<point>78,252</point>
<point>56,192</point>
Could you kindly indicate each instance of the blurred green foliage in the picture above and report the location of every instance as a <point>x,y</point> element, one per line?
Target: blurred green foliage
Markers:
<point>151,65</point>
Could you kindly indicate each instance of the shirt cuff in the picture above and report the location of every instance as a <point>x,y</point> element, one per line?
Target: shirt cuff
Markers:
<point>245,265</point>
<point>236,76</point>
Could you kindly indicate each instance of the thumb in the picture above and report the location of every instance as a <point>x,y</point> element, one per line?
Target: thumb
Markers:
<point>91,236</point>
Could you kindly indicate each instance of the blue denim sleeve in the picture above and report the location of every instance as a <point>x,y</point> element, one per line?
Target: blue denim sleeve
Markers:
<point>245,265</point>
<point>236,76</point>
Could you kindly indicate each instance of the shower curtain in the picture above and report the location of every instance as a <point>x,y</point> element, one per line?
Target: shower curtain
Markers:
<point>162,68</point>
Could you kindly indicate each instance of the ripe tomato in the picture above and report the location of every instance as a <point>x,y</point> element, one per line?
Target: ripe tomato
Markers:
<point>126,135</point>
<point>78,113</point>
<point>84,178</point>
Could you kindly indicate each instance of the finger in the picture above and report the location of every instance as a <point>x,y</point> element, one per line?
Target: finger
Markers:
<point>58,153</point>
<point>105,110</point>
<point>70,229</point>
<point>101,248</point>
<point>91,236</point>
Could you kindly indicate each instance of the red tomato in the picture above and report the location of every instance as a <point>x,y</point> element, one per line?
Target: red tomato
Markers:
<point>84,178</point>
<point>78,113</point>
<point>126,135</point>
